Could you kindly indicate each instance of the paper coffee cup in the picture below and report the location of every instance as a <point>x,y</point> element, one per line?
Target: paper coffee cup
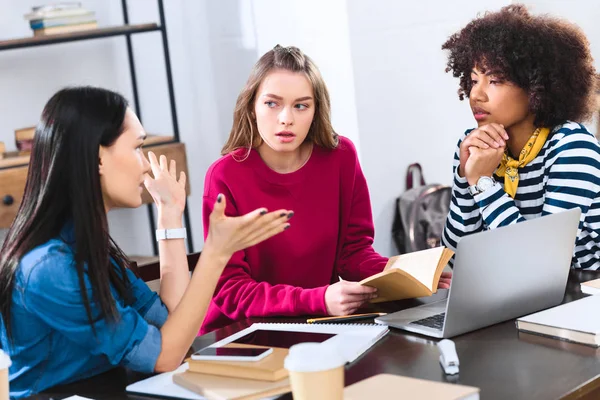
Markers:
<point>316,372</point>
<point>5,363</point>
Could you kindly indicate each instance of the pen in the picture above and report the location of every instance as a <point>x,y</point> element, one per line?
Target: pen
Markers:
<point>343,318</point>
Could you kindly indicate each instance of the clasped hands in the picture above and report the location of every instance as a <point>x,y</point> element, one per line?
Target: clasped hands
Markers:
<point>481,152</point>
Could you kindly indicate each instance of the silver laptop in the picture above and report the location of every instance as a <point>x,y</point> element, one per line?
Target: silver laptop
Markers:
<point>498,275</point>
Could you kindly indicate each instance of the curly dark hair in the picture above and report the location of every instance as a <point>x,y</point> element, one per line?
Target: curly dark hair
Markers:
<point>547,57</point>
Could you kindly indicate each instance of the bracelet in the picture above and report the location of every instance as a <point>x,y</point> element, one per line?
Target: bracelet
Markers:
<point>165,234</point>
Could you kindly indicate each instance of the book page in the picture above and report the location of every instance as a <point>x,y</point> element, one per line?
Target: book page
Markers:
<point>420,264</point>
<point>593,283</point>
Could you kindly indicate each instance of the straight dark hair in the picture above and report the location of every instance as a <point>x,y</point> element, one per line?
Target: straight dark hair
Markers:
<point>63,187</point>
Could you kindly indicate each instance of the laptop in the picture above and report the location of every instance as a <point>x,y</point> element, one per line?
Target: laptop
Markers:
<point>499,275</point>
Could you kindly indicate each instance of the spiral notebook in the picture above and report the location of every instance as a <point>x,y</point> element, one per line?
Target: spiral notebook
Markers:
<point>351,340</point>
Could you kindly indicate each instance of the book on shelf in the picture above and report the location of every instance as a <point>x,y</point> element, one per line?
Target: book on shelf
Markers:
<point>410,275</point>
<point>88,17</point>
<point>57,18</point>
<point>56,10</point>
<point>65,29</point>
<point>573,322</point>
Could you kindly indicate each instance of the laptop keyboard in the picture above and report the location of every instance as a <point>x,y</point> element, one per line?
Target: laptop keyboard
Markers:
<point>435,321</point>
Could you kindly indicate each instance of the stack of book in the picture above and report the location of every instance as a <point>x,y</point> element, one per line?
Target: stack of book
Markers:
<point>237,380</point>
<point>61,17</point>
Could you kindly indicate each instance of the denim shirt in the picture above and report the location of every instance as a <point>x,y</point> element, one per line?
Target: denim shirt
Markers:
<point>53,342</point>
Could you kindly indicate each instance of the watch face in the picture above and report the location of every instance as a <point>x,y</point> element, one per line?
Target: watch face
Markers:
<point>485,183</point>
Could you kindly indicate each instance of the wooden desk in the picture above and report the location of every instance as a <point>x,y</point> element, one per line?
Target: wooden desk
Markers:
<point>502,362</point>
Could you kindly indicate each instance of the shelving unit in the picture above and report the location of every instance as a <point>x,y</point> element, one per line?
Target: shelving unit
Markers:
<point>75,36</point>
<point>126,30</point>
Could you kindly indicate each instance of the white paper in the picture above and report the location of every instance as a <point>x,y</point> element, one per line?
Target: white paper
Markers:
<point>421,264</point>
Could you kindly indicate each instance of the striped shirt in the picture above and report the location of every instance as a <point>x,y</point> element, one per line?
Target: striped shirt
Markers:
<point>564,175</point>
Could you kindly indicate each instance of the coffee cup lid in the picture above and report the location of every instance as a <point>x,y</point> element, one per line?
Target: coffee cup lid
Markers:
<point>4,360</point>
<point>313,357</point>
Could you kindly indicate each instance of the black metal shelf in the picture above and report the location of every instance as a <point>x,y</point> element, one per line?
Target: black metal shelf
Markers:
<point>125,30</point>
<point>97,33</point>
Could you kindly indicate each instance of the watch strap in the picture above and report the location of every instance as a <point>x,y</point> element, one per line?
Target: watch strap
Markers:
<point>165,234</point>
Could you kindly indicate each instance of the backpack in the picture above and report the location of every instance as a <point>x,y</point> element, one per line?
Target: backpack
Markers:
<point>420,213</point>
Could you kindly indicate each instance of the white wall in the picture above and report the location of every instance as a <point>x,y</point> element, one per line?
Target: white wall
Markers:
<point>408,109</point>
<point>583,13</point>
<point>320,29</point>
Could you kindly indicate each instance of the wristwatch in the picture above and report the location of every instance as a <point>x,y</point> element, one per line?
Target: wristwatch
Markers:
<point>483,184</point>
<point>179,233</point>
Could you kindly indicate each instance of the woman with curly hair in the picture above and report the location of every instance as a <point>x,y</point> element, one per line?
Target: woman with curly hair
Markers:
<point>530,81</point>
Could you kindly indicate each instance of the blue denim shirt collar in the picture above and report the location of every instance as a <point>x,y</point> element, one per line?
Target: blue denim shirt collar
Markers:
<point>67,233</point>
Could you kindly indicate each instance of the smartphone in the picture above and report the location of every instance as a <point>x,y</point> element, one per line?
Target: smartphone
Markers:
<point>231,354</point>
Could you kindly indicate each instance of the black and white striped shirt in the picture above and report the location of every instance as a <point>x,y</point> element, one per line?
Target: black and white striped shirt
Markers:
<point>565,174</point>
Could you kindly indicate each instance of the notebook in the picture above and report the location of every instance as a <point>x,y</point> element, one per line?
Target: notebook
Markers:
<point>573,322</point>
<point>392,387</point>
<point>351,340</point>
<point>591,287</point>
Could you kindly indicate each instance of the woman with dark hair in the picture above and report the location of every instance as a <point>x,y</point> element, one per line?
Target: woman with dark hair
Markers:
<point>282,151</point>
<point>70,307</point>
<point>530,81</point>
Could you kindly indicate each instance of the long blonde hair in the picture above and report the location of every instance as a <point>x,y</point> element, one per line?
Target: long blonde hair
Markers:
<point>244,132</point>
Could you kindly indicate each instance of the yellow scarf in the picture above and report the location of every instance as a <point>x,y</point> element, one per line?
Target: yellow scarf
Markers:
<point>509,166</point>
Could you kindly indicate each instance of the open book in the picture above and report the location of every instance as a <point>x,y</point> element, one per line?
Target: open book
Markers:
<point>410,275</point>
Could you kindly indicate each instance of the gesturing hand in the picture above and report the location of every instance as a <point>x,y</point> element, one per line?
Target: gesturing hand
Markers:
<point>226,235</point>
<point>166,191</point>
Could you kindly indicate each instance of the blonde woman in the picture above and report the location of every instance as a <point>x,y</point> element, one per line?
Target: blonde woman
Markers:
<point>283,153</point>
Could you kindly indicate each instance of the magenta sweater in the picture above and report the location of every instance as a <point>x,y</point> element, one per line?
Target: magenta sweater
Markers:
<point>331,234</point>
